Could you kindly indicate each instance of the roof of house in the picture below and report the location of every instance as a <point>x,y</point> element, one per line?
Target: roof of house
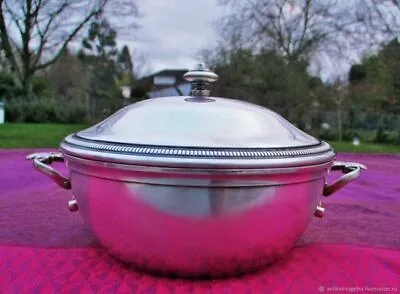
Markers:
<point>170,72</point>
<point>177,73</point>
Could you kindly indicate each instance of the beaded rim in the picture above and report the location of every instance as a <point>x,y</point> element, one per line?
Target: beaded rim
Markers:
<point>197,152</point>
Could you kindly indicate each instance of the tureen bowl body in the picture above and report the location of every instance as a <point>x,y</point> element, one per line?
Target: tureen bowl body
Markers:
<point>195,225</point>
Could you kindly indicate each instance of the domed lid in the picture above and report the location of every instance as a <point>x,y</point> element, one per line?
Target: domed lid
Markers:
<point>199,130</point>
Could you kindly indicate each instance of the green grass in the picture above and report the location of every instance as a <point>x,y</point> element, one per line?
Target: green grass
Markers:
<point>365,147</point>
<point>50,135</point>
<point>35,135</point>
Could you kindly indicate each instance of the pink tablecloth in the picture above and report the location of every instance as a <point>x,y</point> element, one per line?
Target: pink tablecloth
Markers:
<point>46,249</point>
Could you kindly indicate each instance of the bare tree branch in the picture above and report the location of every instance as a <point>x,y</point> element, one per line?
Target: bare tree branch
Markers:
<point>302,29</point>
<point>71,37</point>
<point>14,18</point>
<point>6,44</point>
<point>383,16</point>
<point>38,31</point>
<point>43,38</point>
<point>141,64</point>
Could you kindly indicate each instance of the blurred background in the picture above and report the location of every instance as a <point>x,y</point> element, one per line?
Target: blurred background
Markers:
<point>331,67</point>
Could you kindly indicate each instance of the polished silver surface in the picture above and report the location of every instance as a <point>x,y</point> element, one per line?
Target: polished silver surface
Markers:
<point>198,177</point>
<point>195,231</point>
<point>351,171</point>
<point>200,79</point>
<point>211,131</point>
<point>191,157</point>
<point>319,211</point>
<point>221,133</point>
<point>42,161</point>
<point>73,205</point>
<point>200,73</point>
<point>179,122</point>
<point>196,186</point>
<point>200,152</point>
<point>197,222</point>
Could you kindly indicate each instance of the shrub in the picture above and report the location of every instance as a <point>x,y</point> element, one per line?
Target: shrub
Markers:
<point>332,135</point>
<point>9,88</point>
<point>328,135</point>
<point>35,110</point>
<point>393,137</point>
<point>41,86</point>
<point>381,136</point>
<point>349,135</point>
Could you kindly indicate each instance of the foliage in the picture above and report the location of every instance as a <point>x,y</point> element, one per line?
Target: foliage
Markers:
<point>365,147</point>
<point>387,137</point>
<point>7,85</point>
<point>40,86</point>
<point>34,33</point>
<point>375,83</point>
<point>9,88</point>
<point>125,65</point>
<point>36,110</point>
<point>139,91</point>
<point>69,77</point>
<point>332,135</point>
<point>381,135</point>
<point>108,68</point>
<point>101,40</point>
<point>80,87</point>
<point>357,73</point>
<point>265,79</point>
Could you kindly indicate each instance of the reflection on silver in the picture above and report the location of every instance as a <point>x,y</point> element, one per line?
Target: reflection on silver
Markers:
<point>175,122</point>
<point>73,205</point>
<point>196,231</point>
<point>200,202</point>
<point>197,186</point>
<point>351,171</point>
<point>319,211</point>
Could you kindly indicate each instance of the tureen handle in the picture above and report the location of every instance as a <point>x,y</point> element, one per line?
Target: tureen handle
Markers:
<point>42,161</point>
<point>351,171</point>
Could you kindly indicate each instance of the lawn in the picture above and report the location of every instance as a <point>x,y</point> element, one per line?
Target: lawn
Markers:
<point>50,135</point>
<point>35,135</point>
<point>365,148</point>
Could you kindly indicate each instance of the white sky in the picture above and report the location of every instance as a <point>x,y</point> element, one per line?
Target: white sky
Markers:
<point>173,31</point>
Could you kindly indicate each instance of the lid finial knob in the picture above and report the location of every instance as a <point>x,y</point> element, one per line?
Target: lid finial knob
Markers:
<point>200,78</point>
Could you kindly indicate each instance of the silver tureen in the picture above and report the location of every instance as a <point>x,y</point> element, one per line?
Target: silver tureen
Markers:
<point>196,185</point>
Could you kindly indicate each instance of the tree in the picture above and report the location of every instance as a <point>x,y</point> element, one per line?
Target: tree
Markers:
<point>100,53</point>
<point>296,29</point>
<point>378,88</point>
<point>357,73</point>
<point>264,78</point>
<point>124,63</point>
<point>382,17</point>
<point>34,33</point>
<point>376,91</point>
<point>68,77</point>
<point>101,40</point>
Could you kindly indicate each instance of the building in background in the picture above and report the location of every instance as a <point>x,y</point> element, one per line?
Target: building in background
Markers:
<point>168,82</point>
